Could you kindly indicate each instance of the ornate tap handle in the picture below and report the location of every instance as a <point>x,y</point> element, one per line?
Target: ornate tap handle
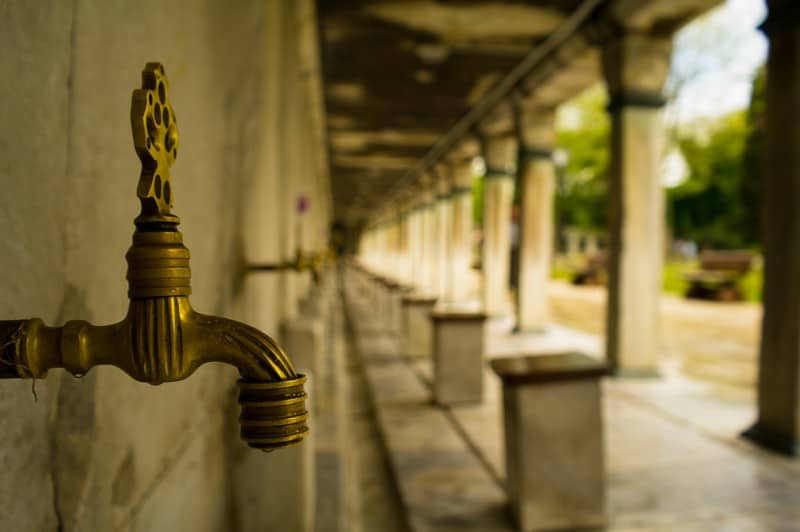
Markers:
<point>155,137</point>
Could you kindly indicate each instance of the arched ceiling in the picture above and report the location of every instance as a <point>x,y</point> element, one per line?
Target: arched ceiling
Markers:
<point>399,73</point>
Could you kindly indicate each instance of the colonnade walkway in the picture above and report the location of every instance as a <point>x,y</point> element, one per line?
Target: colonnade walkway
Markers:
<point>674,460</point>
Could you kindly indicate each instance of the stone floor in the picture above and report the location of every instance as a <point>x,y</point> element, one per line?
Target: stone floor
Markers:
<point>355,487</point>
<point>716,342</point>
<point>674,458</point>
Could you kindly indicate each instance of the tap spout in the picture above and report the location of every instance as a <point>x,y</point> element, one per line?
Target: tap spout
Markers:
<point>256,354</point>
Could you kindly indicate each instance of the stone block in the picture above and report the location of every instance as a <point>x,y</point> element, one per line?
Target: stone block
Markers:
<point>383,301</point>
<point>555,460</point>
<point>394,303</point>
<point>417,336</point>
<point>458,352</point>
<point>304,342</point>
<point>391,304</point>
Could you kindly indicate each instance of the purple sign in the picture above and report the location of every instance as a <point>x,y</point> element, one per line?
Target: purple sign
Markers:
<point>302,204</point>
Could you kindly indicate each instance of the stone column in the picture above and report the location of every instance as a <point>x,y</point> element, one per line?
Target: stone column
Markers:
<point>636,68</point>
<point>442,230</point>
<point>428,219</point>
<point>537,137</point>
<point>778,424</point>
<point>364,246</point>
<point>417,330</point>
<point>394,242</point>
<point>460,232</point>
<point>373,248</point>
<point>384,256</point>
<point>500,154</point>
<point>405,246</point>
<point>385,248</point>
<point>380,249</point>
<point>415,240</point>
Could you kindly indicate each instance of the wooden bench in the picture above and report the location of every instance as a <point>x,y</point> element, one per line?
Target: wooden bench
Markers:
<point>594,273</point>
<point>719,275</point>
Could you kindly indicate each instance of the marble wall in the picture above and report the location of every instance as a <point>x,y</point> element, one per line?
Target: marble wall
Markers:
<point>104,452</point>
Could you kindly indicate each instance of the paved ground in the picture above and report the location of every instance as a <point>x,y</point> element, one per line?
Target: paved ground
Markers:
<point>355,488</point>
<point>717,342</point>
<point>674,458</point>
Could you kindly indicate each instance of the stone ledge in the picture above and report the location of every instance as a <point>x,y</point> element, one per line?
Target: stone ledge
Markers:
<point>548,367</point>
<point>442,482</point>
<point>458,315</point>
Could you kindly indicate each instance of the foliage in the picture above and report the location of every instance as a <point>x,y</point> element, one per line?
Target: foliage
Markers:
<point>753,159</point>
<point>477,201</point>
<point>581,182</point>
<point>718,204</point>
<point>674,279</point>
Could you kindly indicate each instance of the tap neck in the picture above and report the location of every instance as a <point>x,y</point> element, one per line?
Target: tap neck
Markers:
<point>158,262</point>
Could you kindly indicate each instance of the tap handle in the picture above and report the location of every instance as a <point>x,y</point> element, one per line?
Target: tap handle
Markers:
<point>155,137</point>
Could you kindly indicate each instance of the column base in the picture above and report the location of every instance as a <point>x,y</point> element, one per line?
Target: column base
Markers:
<point>771,440</point>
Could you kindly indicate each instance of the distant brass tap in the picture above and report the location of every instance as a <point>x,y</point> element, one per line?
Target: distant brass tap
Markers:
<point>162,339</point>
<point>313,262</point>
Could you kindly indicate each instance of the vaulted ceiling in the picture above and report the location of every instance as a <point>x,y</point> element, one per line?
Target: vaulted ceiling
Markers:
<point>399,73</point>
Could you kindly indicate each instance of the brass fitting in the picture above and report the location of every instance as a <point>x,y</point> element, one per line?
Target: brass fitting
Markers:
<point>314,263</point>
<point>162,339</point>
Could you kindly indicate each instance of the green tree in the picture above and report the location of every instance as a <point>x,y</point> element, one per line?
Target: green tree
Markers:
<point>582,136</point>
<point>753,159</point>
<point>477,201</point>
<point>719,203</point>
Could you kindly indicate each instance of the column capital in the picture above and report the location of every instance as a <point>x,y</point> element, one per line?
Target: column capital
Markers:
<point>466,149</point>
<point>500,121</point>
<point>442,173</point>
<point>427,189</point>
<point>461,172</point>
<point>537,130</point>
<point>408,203</point>
<point>500,154</point>
<point>636,67</point>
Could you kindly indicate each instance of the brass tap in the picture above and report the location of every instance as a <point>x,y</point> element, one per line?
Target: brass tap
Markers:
<point>162,339</point>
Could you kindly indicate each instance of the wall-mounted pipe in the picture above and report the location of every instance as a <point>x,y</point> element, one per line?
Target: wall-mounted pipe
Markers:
<point>313,263</point>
